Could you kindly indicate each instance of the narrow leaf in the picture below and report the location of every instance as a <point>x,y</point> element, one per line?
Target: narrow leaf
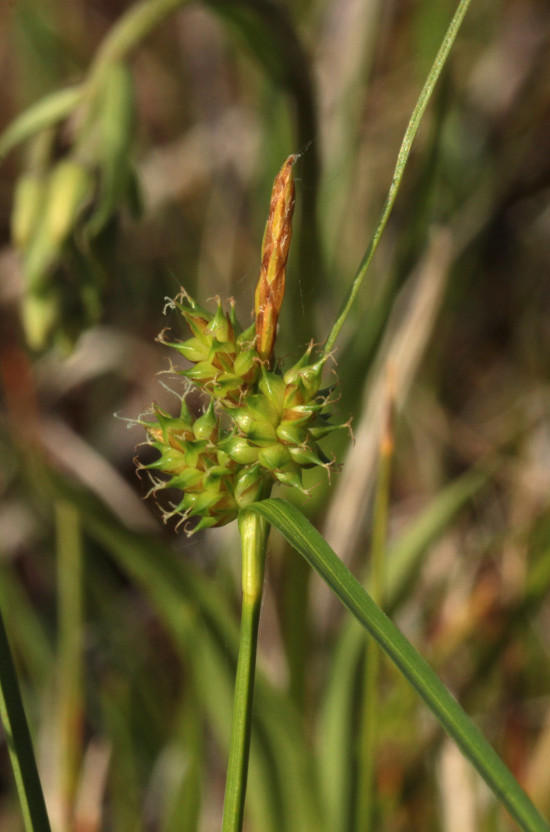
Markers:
<point>308,542</point>
<point>33,808</point>
<point>45,113</point>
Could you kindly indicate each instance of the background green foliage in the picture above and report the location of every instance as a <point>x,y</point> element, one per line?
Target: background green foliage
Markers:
<point>125,634</point>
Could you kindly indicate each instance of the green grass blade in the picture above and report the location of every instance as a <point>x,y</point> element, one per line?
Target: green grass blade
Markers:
<point>27,631</point>
<point>45,113</point>
<point>337,728</point>
<point>402,158</point>
<point>308,542</point>
<point>19,743</point>
<point>70,682</point>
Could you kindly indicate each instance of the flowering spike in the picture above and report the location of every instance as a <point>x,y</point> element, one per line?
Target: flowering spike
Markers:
<point>259,425</point>
<point>275,245</point>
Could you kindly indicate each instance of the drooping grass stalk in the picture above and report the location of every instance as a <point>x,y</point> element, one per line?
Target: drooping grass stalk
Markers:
<point>70,671</point>
<point>402,158</point>
<point>31,797</point>
<point>368,728</point>
<point>253,530</point>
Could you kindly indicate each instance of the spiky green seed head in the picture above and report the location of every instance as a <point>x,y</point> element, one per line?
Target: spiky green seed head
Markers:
<point>225,363</point>
<point>260,426</point>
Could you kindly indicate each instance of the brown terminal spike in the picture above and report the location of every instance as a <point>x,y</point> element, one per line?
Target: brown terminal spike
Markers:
<point>275,246</point>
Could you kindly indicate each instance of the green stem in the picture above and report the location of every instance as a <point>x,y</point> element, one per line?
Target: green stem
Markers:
<point>70,684</point>
<point>19,742</point>
<point>254,531</point>
<point>402,159</point>
<point>368,728</point>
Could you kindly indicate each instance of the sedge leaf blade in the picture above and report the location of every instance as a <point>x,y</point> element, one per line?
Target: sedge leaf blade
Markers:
<point>307,541</point>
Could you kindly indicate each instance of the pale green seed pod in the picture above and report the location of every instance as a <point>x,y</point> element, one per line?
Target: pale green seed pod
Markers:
<point>240,450</point>
<point>307,456</point>
<point>273,388</point>
<point>291,433</point>
<point>205,426</point>
<point>274,457</point>
<point>291,475</point>
<point>249,485</point>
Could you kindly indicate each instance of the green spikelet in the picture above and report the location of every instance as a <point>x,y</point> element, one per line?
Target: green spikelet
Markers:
<point>190,460</point>
<point>225,362</point>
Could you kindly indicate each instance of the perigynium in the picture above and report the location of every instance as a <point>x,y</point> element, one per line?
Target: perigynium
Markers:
<point>260,424</point>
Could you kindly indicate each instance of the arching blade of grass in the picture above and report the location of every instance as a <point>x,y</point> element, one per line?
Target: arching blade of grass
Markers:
<point>308,542</point>
<point>402,159</point>
<point>19,743</point>
<point>46,112</point>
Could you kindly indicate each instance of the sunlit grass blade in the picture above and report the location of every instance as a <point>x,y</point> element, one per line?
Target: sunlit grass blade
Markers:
<point>310,544</point>
<point>19,743</point>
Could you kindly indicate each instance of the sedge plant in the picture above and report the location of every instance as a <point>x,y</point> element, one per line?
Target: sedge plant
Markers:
<point>261,425</point>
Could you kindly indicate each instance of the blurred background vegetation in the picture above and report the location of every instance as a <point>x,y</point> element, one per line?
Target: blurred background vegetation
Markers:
<point>158,176</point>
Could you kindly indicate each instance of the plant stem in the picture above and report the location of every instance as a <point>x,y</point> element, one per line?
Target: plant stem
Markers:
<point>31,797</point>
<point>70,679</point>
<point>254,531</point>
<point>368,727</point>
<point>402,158</point>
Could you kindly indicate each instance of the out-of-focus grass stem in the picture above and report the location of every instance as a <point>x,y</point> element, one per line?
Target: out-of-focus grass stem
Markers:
<point>18,739</point>
<point>70,670</point>
<point>369,716</point>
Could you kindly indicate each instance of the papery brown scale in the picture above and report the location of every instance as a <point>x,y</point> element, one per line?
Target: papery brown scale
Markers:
<point>271,284</point>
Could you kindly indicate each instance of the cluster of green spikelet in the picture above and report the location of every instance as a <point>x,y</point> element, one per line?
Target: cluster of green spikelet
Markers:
<point>260,425</point>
